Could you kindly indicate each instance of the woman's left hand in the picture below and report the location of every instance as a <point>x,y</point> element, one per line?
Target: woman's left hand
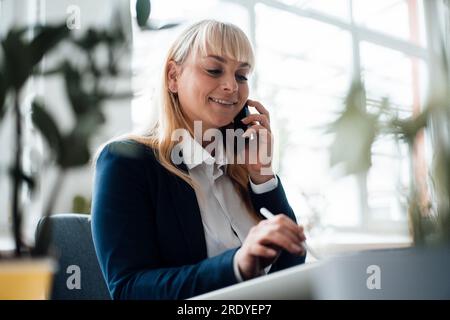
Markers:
<point>258,152</point>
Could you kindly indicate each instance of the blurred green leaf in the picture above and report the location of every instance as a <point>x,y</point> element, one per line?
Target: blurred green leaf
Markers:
<point>21,55</point>
<point>143,9</point>
<point>3,91</point>
<point>89,40</point>
<point>103,95</point>
<point>94,69</point>
<point>87,124</point>
<point>75,152</point>
<point>50,72</point>
<point>46,39</point>
<point>408,129</point>
<point>17,58</point>
<point>115,37</point>
<point>112,64</point>
<point>92,38</point>
<point>80,101</point>
<point>28,179</point>
<point>354,132</point>
<point>81,204</point>
<point>47,126</point>
<point>160,25</point>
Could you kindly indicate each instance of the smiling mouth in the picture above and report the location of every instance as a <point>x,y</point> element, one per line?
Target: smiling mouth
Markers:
<point>223,102</point>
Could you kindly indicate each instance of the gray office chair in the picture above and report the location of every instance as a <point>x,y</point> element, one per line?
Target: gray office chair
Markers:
<point>71,239</point>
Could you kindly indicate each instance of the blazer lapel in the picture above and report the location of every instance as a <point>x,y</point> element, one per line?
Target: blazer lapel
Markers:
<point>190,219</point>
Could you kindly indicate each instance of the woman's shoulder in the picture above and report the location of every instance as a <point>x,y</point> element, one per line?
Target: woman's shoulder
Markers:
<point>126,150</point>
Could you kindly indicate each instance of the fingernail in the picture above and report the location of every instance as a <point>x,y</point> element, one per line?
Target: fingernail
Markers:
<point>296,247</point>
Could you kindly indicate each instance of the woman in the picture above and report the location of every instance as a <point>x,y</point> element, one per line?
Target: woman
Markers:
<point>166,230</point>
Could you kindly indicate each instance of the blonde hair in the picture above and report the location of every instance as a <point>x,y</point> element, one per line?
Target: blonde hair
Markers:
<point>204,37</point>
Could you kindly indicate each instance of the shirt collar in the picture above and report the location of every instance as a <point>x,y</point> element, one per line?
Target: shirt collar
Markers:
<point>194,154</point>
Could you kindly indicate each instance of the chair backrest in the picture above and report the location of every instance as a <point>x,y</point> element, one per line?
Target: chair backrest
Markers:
<point>78,275</point>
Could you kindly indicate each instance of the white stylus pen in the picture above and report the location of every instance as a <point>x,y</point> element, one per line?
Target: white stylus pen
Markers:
<point>268,215</point>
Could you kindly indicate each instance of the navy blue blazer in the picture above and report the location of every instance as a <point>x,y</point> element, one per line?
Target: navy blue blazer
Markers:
<point>148,233</point>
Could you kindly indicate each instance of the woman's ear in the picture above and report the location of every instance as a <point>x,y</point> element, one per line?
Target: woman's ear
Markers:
<point>172,76</point>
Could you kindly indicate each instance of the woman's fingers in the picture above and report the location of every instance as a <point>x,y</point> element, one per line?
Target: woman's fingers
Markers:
<point>262,117</point>
<point>283,242</point>
<point>280,236</point>
<point>256,128</point>
<point>287,222</point>
<point>265,242</point>
<point>292,234</point>
<point>259,107</point>
<point>259,250</point>
<point>254,118</point>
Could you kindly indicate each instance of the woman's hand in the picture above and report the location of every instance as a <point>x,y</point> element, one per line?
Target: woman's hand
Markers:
<point>265,242</point>
<point>259,165</point>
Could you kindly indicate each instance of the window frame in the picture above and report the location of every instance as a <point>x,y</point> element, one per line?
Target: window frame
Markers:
<point>358,34</point>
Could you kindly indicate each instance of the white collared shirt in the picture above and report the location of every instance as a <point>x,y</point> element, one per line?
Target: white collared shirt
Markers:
<point>226,220</point>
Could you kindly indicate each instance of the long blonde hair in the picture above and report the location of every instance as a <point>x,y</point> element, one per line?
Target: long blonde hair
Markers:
<point>204,37</point>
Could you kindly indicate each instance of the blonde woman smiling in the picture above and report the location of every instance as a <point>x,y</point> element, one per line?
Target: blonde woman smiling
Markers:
<point>164,230</point>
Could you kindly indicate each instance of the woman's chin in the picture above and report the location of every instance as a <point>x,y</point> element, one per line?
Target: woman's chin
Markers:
<point>219,123</point>
<point>225,123</point>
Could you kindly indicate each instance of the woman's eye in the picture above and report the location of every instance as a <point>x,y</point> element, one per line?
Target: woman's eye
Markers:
<point>214,72</point>
<point>218,72</point>
<point>241,78</point>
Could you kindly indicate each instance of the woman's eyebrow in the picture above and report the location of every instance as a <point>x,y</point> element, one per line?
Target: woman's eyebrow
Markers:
<point>223,60</point>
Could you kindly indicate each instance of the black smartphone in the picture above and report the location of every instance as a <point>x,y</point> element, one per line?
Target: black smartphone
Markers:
<point>237,123</point>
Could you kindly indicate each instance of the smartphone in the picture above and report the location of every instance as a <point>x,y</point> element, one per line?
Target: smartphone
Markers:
<point>237,123</point>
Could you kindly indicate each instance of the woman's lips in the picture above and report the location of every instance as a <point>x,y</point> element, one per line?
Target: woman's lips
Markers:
<point>223,102</point>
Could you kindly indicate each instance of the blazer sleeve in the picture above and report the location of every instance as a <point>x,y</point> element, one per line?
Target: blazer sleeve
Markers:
<point>275,201</point>
<point>124,234</point>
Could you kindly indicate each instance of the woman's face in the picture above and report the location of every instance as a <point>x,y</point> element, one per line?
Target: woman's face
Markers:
<point>211,88</point>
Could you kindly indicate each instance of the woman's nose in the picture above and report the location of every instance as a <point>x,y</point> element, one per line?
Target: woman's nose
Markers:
<point>230,84</point>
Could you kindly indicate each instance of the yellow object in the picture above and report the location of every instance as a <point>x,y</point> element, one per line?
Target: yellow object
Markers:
<point>26,279</point>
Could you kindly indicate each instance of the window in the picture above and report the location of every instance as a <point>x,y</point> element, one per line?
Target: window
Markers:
<point>307,52</point>
<point>306,83</point>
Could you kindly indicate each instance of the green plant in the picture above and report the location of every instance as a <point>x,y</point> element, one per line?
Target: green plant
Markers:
<point>71,149</point>
<point>87,85</point>
<point>356,129</point>
<point>86,93</point>
<point>20,57</point>
<point>81,204</point>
